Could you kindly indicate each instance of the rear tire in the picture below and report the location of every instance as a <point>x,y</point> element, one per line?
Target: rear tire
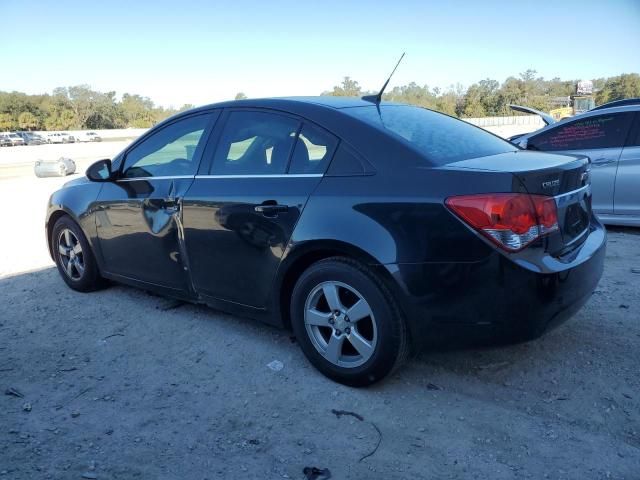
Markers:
<point>348,323</point>
<point>73,256</point>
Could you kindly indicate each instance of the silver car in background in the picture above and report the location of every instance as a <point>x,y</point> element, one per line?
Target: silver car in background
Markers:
<point>610,137</point>
<point>61,167</point>
<point>14,138</point>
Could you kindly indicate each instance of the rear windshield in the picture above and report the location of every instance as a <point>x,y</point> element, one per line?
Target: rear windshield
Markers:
<point>440,138</point>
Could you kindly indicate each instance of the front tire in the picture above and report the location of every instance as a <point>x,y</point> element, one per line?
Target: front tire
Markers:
<point>348,323</point>
<point>73,256</point>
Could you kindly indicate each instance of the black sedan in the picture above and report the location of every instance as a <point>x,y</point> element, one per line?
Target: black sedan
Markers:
<point>365,227</point>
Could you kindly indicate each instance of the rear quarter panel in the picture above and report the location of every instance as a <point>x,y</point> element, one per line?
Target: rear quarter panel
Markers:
<point>398,218</point>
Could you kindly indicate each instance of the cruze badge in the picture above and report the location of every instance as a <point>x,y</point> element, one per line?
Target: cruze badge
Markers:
<point>551,183</point>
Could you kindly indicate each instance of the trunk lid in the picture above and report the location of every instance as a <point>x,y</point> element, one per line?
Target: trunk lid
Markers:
<point>564,177</point>
<point>546,118</point>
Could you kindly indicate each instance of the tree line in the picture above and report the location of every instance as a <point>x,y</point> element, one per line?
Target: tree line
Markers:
<point>80,107</point>
<point>490,98</point>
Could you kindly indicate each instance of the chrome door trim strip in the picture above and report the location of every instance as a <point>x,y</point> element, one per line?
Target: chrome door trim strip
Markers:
<point>173,177</point>
<point>169,177</point>
<point>282,175</point>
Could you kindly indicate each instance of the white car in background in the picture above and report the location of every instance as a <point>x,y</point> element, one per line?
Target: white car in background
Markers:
<point>59,137</point>
<point>87,137</point>
<point>68,138</point>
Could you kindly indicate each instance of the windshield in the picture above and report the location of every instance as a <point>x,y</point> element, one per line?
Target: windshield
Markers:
<point>440,138</point>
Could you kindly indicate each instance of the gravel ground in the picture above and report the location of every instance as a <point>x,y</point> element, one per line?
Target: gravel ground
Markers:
<point>120,384</point>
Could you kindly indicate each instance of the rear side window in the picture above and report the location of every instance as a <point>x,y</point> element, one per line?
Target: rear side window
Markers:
<point>313,151</point>
<point>255,143</point>
<point>602,131</point>
<point>440,138</point>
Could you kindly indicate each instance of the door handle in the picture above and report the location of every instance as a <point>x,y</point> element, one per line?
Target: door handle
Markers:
<point>170,203</point>
<point>269,209</point>
<point>602,161</point>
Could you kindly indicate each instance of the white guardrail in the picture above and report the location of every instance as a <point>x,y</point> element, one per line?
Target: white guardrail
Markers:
<point>525,120</point>
<point>503,126</point>
<point>519,122</point>
<point>105,134</point>
<point>508,126</point>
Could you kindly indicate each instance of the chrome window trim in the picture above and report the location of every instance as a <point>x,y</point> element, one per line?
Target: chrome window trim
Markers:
<point>279,175</point>
<point>173,177</point>
<point>167,177</point>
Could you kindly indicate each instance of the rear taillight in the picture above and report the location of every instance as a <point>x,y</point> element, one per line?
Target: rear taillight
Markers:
<point>511,220</point>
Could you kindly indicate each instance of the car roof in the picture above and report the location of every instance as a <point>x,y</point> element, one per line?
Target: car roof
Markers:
<point>614,109</point>
<point>616,103</point>
<point>323,100</point>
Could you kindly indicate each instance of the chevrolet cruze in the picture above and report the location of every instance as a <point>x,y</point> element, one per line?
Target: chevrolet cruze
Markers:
<point>365,227</point>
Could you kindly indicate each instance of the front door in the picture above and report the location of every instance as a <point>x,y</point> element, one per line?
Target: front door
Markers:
<point>604,164</point>
<point>627,197</point>
<point>240,215</point>
<point>139,215</point>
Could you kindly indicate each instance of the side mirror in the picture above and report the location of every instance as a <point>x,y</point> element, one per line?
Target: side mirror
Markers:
<point>100,171</point>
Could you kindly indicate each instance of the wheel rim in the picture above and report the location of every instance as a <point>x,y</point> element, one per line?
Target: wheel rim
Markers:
<point>340,324</point>
<point>71,256</point>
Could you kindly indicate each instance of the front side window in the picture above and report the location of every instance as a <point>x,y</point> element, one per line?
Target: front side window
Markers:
<point>313,151</point>
<point>169,152</point>
<point>601,131</point>
<point>255,143</point>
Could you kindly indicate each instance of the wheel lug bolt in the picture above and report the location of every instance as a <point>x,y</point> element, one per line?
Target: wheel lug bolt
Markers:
<point>338,332</point>
<point>332,321</point>
<point>347,330</point>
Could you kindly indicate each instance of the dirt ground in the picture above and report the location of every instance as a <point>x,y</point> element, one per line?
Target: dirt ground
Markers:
<point>119,384</point>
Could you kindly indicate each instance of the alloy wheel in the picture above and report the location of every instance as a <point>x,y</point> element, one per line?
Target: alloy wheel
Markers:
<point>340,324</point>
<point>71,256</point>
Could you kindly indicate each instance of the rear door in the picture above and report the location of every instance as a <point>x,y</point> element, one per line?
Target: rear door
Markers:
<point>240,213</point>
<point>627,193</point>
<point>601,138</point>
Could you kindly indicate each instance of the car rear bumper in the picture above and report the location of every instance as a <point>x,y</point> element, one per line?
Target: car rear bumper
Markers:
<point>497,295</point>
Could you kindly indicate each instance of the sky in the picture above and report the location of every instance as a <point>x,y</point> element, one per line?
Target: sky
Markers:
<point>199,52</point>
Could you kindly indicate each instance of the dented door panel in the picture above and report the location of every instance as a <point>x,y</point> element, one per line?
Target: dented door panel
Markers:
<point>140,232</point>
